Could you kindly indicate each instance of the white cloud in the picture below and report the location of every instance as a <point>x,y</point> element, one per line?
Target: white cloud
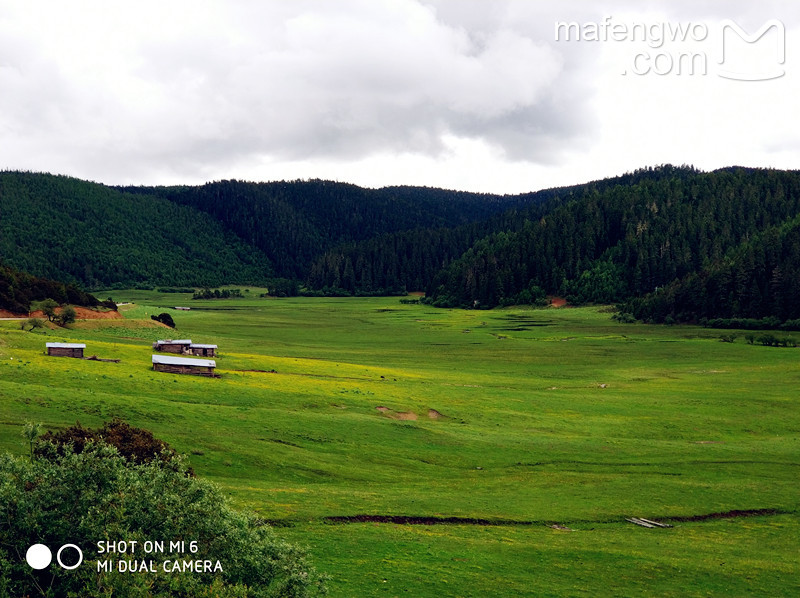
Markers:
<point>471,94</point>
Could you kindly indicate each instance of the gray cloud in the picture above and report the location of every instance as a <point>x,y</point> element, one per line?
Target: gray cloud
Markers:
<point>149,91</point>
<point>128,89</point>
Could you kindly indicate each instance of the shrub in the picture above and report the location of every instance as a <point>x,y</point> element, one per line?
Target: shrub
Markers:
<point>31,324</point>
<point>624,317</point>
<point>80,498</point>
<point>67,316</point>
<point>164,318</point>
<point>768,340</point>
<point>137,445</point>
<point>791,325</point>
<point>47,307</point>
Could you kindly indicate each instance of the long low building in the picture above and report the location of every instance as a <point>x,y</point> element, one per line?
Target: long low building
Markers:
<point>184,365</point>
<point>173,346</point>
<point>65,349</point>
<point>203,350</point>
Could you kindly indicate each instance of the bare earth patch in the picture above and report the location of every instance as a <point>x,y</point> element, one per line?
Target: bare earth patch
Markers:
<point>81,313</point>
<point>401,415</point>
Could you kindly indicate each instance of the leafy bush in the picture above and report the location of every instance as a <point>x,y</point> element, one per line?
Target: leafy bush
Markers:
<point>283,287</point>
<point>31,324</point>
<point>164,318</point>
<point>791,325</point>
<point>81,498</point>
<point>67,316</point>
<point>218,294</point>
<point>533,295</point>
<point>624,317</point>
<point>137,445</point>
<point>47,307</point>
<point>770,340</point>
<point>768,323</point>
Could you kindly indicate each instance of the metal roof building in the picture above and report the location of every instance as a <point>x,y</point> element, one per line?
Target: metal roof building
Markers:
<point>203,350</point>
<point>184,365</point>
<point>65,349</point>
<point>172,346</point>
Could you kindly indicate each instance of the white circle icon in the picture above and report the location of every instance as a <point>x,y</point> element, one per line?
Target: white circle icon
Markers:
<point>38,556</point>
<point>80,556</point>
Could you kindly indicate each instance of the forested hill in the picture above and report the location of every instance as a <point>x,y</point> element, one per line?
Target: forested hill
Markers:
<point>629,240</point>
<point>294,222</point>
<point>759,280</point>
<point>79,232</point>
<point>653,239</point>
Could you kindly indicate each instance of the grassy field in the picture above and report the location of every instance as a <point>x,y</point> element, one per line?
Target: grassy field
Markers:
<point>494,425</point>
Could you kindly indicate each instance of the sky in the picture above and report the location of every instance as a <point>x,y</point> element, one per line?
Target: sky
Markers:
<point>495,96</point>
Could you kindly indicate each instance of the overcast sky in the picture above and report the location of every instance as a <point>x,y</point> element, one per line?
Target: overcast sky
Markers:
<point>476,95</point>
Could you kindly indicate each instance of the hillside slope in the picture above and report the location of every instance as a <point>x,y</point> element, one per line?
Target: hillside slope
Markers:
<point>624,241</point>
<point>293,222</point>
<point>760,279</point>
<point>607,241</point>
<point>75,231</point>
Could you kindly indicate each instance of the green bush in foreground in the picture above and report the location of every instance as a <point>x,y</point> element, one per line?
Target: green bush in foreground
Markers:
<point>97,495</point>
<point>136,445</point>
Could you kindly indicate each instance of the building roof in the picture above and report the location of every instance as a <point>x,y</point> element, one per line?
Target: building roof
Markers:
<point>170,360</point>
<point>197,346</point>
<point>184,341</point>
<point>65,345</point>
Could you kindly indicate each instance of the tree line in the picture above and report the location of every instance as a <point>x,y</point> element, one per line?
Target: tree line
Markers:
<point>758,282</point>
<point>665,242</point>
<point>19,290</point>
<point>724,232</point>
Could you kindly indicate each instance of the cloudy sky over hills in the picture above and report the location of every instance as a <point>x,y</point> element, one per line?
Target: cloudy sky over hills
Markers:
<point>465,94</point>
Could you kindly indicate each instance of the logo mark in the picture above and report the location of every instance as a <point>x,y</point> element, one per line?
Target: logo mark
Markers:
<point>747,59</point>
<point>39,556</point>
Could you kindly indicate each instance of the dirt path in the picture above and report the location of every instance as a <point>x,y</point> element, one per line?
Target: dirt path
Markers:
<point>81,313</point>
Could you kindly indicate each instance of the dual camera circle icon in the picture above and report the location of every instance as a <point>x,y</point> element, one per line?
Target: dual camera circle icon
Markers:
<point>39,556</point>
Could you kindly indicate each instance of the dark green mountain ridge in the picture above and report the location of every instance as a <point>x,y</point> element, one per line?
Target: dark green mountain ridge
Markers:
<point>611,240</point>
<point>625,240</point>
<point>79,232</point>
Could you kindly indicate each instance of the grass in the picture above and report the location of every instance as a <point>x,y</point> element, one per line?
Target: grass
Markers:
<point>547,416</point>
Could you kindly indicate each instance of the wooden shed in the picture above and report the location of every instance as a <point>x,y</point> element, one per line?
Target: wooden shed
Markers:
<point>184,365</point>
<point>203,350</point>
<point>66,349</point>
<point>171,346</point>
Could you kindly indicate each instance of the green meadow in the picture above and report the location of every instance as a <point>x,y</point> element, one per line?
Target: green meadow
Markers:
<point>424,452</point>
